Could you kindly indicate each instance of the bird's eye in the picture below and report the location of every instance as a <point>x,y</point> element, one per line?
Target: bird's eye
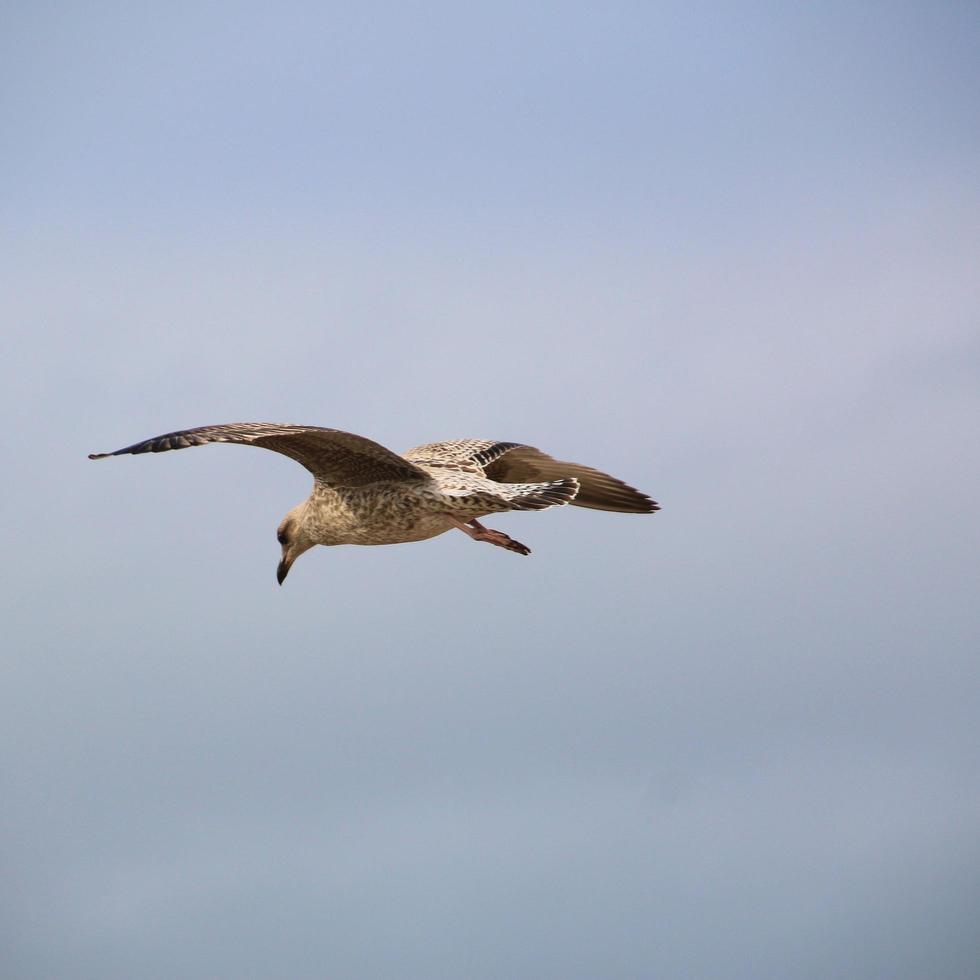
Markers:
<point>281,537</point>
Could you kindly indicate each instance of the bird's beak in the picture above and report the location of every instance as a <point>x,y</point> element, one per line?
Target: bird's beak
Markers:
<point>283,570</point>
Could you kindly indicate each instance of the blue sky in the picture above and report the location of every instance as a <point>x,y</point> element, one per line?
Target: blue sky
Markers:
<point>727,253</point>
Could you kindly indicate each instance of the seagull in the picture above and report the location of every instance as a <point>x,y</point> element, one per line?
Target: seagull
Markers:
<point>366,494</point>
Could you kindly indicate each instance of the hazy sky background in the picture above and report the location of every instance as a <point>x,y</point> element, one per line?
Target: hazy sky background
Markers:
<point>728,252</point>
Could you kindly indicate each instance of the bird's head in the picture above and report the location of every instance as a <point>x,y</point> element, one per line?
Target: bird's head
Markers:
<point>293,539</point>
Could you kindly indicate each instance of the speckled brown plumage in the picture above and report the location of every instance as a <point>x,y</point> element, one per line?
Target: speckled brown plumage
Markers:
<point>366,494</point>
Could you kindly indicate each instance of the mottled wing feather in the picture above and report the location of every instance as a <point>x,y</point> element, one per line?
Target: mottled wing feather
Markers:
<point>537,496</point>
<point>333,457</point>
<point>513,462</point>
<point>460,453</point>
<point>597,490</point>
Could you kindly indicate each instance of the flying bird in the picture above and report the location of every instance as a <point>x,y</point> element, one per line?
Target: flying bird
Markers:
<point>364,493</point>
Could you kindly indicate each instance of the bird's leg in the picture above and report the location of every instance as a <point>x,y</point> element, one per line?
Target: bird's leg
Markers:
<point>480,533</point>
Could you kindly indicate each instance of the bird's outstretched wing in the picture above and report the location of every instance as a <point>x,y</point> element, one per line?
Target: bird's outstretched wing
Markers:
<point>335,458</point>
<point>512,462</point>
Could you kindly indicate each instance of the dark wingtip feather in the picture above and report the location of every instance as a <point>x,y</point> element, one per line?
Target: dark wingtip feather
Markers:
<point>620,499</point>
<point>99,455</point>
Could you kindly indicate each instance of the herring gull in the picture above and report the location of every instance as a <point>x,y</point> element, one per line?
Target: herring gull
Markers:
<point>364,493</point>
